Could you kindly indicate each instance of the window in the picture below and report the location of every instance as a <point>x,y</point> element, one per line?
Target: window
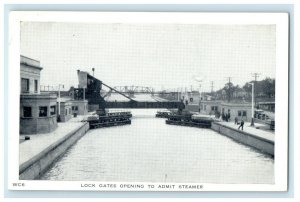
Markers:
<point>214,108</point>
<point>191,99</point>
<point>242,113</point>
<point>52,110</point>
<point>35,86</point>
<point>74,107</point>
<point>66,112</point>
<point>27,112</point>
<point>42,111</point>
<point>24,85</point>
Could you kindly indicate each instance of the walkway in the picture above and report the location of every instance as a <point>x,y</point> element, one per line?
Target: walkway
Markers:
<point>259,130</point>
<point>39,142</point>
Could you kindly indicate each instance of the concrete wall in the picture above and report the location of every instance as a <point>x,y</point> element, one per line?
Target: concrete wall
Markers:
<point>264,145</point>
<point>37,125</point>
<point>39,164</point>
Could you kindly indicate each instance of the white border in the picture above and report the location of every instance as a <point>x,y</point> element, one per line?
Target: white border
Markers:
<point>281,137</point>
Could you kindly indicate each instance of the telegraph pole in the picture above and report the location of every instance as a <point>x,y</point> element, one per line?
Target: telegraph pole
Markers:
<point>212,86</point>
<point>255,75</point>
<point>229,81</point>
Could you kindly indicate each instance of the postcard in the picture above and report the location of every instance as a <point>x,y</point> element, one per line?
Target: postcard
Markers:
<point>148,101</point>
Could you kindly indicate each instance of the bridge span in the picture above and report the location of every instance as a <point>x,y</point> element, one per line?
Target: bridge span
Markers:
<point>90,88</point>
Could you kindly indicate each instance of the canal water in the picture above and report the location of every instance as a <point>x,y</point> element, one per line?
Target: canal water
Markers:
<point>148,150</point>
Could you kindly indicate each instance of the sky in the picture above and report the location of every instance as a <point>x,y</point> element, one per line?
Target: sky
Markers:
<point>162,56</point>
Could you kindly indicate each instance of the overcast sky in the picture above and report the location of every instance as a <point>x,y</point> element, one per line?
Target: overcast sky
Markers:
<point>156,55</point>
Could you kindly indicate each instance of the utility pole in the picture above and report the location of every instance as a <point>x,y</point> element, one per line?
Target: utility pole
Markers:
<point>212,86</point>
<point>252,108</point>
<point>255,75</point>
<point>229,88</point>
<point>59,101</point>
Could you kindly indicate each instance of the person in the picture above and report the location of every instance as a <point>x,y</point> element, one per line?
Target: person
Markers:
<point>242,125</point>
<point>236,120</point>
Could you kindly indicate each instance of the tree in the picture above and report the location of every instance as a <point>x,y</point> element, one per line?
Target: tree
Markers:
<point>267,87</point>
<point>229,89</point>
<point>247,87</point>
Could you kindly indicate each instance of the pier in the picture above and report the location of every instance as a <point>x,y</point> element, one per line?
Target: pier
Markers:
<point>259,137</point>
<point>38,154</point>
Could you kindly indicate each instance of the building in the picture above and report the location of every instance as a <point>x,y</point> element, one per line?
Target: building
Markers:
<point>64,111</point>
<point>210,107</point>
<point>239,110</point>
<point>37,110</point>
<point>80,107</point>
<point>267,106</point>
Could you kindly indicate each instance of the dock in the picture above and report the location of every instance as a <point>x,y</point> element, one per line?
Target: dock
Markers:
<point>259,137</point>
<point>37,154</point>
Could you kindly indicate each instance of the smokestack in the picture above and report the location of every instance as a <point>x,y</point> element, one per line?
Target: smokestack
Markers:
<point>93,70</point>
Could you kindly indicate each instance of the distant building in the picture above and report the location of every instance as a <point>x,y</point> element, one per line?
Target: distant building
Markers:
<point>65,110</point>
<point>37,110</point>
<point>239,110</point>
<point>80,107</point>
<point>267,106</point>
<point>210,107</point>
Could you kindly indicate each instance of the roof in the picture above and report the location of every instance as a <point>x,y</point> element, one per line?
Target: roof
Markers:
<point>30,62</point>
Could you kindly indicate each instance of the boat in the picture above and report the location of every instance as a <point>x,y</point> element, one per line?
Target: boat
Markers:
<point>163,114</point>
<point>194,120</point>
<point>109,119</point>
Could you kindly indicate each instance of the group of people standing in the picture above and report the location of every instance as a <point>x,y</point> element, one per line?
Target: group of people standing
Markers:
<point>226,117</point>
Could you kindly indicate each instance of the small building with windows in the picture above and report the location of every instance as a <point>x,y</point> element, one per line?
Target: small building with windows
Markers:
<point>65,110</point>
<point>80,107</point>
<point>210,107</point>
<point>240,110</point>
<point>38,111</point>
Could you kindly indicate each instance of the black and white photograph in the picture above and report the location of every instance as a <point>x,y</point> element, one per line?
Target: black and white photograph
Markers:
<point>151,101</point>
